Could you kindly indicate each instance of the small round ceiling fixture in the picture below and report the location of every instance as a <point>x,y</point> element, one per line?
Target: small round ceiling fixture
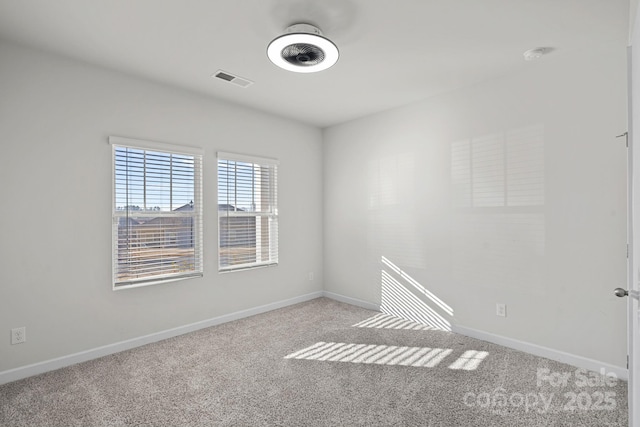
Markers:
<point>303,49</point>
<point>537,53</point>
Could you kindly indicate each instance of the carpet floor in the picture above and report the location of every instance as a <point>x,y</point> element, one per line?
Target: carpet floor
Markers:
<point>318,363</point>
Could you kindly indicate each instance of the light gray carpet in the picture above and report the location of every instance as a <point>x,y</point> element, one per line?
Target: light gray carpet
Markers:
<point>237,374</point>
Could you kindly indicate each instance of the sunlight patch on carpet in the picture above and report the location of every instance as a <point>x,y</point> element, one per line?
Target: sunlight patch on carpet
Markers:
<point>423,357</point>
<point>386,321</point>
<point>469,361</point>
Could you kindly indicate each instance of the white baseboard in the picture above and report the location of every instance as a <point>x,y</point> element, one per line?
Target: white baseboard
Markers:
<point>549,353</point>
<point>536,350</point>
<point>83,356</point>
<point>60,362</point>
<point>352,301</point>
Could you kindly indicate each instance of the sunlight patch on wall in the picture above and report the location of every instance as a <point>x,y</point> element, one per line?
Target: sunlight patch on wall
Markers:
<point>404,297</point>
<point>417,286</point>
<point>503,169</point>
<point>422,357</point>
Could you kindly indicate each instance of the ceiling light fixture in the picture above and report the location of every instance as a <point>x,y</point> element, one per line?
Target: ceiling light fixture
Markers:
<point>537,53</point>
<point>303,49</point>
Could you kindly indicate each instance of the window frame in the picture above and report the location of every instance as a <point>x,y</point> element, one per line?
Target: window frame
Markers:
<point>272,214</point>
<point>197,215</point>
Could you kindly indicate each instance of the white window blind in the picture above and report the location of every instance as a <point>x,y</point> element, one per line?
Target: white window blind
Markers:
<point>247,211</point>
<point>157,213</point>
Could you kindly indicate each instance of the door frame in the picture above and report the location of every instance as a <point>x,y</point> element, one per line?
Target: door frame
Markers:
<point>633,197</point>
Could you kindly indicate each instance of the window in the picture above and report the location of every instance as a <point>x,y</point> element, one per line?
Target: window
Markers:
<point>157,212</point>
<point>247,212</point>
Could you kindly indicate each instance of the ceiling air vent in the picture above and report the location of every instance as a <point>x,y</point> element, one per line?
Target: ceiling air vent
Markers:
<point>233,79</point>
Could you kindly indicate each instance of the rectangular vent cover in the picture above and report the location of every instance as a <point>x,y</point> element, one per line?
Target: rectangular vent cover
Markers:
<point>233,79</point>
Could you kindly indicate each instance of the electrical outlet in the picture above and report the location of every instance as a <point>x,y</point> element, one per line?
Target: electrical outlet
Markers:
<point>501,310</point>
<point>18,335</point>
<point>311,276</point>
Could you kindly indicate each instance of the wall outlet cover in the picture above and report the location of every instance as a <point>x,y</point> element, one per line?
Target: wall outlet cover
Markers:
<point>501,310</point>
<point>18,335</point>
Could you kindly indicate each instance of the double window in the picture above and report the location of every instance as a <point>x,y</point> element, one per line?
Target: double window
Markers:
<point>157,212</point>
<point>247,212</point>
<point>158,217</point>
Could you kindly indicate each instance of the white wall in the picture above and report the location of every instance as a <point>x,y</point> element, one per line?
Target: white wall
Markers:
<point>55,169</point>
<point>550,243</point>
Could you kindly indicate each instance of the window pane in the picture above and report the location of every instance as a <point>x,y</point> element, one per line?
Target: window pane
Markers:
<point>247,212</point>
<point>157,216</point>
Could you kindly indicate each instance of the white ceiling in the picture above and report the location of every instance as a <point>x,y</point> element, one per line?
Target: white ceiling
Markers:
<point>393,52</point>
